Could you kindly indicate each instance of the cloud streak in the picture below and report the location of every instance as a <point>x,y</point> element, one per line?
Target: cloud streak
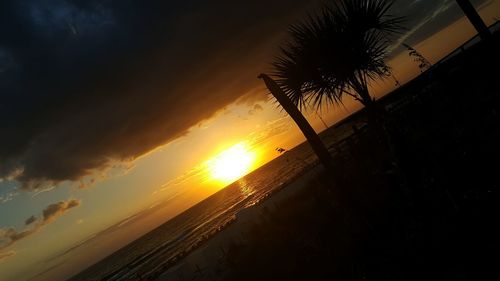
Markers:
<point>8,197</point>
<point>4,255</point>
<point>33,224</point>
<point>255,109</point>
<point>425,17</point>
<point>55,210</point>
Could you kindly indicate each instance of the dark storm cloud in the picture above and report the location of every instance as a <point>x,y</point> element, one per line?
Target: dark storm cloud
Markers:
<point>86,82</point>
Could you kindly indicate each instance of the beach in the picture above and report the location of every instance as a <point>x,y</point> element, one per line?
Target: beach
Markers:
<point>347,140</point>
<point>424,209</point>
<point>414,202</point>
<point>209,261</point>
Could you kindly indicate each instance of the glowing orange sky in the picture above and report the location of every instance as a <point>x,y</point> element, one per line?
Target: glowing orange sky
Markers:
<point>128,199</point>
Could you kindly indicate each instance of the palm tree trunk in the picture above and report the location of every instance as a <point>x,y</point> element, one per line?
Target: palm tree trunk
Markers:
<point>311,136</point>
<point>474,18</point>
<point>374,112</point>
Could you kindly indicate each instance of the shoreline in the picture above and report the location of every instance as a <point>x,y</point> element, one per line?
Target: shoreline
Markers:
<point>202,260</point>
<point>209,258</point>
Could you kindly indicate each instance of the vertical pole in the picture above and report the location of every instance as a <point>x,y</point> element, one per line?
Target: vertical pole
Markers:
<point>474,18</point>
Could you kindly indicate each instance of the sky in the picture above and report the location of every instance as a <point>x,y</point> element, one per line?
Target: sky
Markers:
<point>111,111</point>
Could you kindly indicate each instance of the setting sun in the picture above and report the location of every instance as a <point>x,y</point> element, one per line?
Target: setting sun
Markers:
<point>232,163</point>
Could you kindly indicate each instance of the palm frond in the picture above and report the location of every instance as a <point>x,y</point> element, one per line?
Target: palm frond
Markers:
<point>364,15</point>
<point>336,52</point>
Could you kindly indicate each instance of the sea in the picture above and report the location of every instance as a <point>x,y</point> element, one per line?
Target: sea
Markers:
<point>164,246</point>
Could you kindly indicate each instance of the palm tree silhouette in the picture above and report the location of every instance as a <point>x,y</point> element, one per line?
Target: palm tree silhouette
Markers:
<point>336,53</point>
<point>292,110</point>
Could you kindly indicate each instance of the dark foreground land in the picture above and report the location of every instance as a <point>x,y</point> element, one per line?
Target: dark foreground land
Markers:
<point>424,207</point>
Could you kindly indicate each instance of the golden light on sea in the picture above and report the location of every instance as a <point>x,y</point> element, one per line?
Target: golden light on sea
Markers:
<point>232,163</point>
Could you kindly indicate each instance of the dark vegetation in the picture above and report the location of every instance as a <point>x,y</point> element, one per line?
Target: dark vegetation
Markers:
<point>425,207</point>
<point>330,55</point>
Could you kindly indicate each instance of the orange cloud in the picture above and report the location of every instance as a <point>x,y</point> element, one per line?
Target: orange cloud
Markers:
<point>4,255</point>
